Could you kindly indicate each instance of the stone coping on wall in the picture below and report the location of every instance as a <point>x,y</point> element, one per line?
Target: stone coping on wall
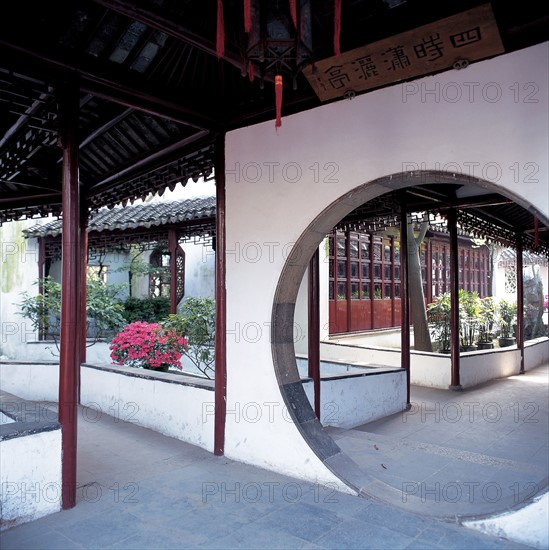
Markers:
<point>527,343</point>
<point>168,377</point>
<point>30,417</point>
<point>28,362</point>
<point>373,369</point>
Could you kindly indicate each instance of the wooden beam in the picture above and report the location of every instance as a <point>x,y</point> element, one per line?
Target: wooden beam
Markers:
<point>105,127</point>
<point>156,19</point>
<point>152,162</point>
<point>96,80</point>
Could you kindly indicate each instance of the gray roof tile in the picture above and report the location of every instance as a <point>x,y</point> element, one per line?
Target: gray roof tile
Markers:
<point>131,217</point>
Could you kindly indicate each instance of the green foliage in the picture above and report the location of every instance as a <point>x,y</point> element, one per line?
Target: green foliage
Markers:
<point>196,323</point>
<point>149,310</point>
<point>476,316</point>
<point>438,314</point>
<point>469,313</point>
<point>103,310</point>
<point>43,310</point>
<point>507,313</point>
<point>488,310</point>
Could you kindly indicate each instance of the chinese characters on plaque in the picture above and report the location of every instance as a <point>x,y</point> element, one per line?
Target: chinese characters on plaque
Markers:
<point>471,35</point>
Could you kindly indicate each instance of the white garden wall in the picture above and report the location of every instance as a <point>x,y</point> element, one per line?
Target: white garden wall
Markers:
<point>353,395</point>
<point>30,477</point>
<point>18,271</point>
<point>30,461</point>
<point>172,404</point>
<point>184,410</point>
<point>277,183</point>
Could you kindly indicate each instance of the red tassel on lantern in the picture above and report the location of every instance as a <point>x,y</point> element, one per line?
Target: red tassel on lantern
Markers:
<point>337,26</point>
<point>278,99</point>
<point>293,12</point>
<point>251,71</point>
<point>220,42</point>
<point>536,231</point>
<point>247,15</point>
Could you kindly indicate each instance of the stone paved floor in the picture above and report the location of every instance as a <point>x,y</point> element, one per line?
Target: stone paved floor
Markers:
<point>470,453</point>
<point>139,489</point>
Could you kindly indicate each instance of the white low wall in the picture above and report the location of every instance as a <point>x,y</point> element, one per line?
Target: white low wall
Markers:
<point>172,404</point>
<point>360,355</point>
<point>40,351</point>
<point>433,370</point>
<point>30,477</point>
<point>162,402</point>
<point>33,381</point>
<point>536,352</point>
<point>98,353</point>
<point>478,367</point>
<point>351,396</point>
<point>30,461</point>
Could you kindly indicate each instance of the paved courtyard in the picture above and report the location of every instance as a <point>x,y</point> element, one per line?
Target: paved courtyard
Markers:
<point>470,453</point>
<point>140,489</point>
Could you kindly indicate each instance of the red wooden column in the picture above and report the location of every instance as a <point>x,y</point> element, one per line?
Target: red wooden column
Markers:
<point>404,297</point>
<point>454,292</point>
<point>220,300</point>
<point>172,245</point>
<point>520,301</point>
<point>83,289</point>
<point>314,328</point>
<point>41,275</point>
<point>69,370</point>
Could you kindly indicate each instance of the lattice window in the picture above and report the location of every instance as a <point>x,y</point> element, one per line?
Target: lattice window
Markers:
<point>510,280</point>
<point>180,280</point>
<point>159,280</point>
<point>160,277</point>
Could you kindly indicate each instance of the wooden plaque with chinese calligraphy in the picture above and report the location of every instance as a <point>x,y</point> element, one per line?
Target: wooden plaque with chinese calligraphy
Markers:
<point>471,35</point>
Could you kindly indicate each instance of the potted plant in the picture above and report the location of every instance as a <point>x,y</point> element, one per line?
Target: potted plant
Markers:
<point>148,346</point>
<point>507,312</point>
<point>438,314</point>
<point>488,310</point>
<point>469,310</point>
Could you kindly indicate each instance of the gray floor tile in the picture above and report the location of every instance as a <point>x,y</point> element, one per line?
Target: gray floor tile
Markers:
<point>301,520</point>
<point>101,530</point>
<point>157,492</point>
<point>358,534</point>
<point>47,540</point>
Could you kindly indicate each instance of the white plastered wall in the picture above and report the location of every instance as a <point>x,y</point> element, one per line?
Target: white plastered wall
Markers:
<point>18,272</point>
<point>276,184</point>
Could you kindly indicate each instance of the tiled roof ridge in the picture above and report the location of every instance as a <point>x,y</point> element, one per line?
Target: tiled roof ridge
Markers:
<point>137,215</point>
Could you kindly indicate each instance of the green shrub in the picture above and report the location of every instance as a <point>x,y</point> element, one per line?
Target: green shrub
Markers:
<point>149,310</point>
<point>103,309</point>
<point>507,315</point>
<point>196,323</point>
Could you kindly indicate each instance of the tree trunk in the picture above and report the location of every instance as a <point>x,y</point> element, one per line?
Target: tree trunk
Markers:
<point>422,337</point>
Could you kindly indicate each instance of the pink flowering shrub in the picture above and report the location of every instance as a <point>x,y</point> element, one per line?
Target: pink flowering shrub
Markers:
<point>147,345</point>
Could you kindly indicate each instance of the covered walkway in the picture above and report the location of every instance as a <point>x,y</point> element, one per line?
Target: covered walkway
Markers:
<point>139,489</point>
